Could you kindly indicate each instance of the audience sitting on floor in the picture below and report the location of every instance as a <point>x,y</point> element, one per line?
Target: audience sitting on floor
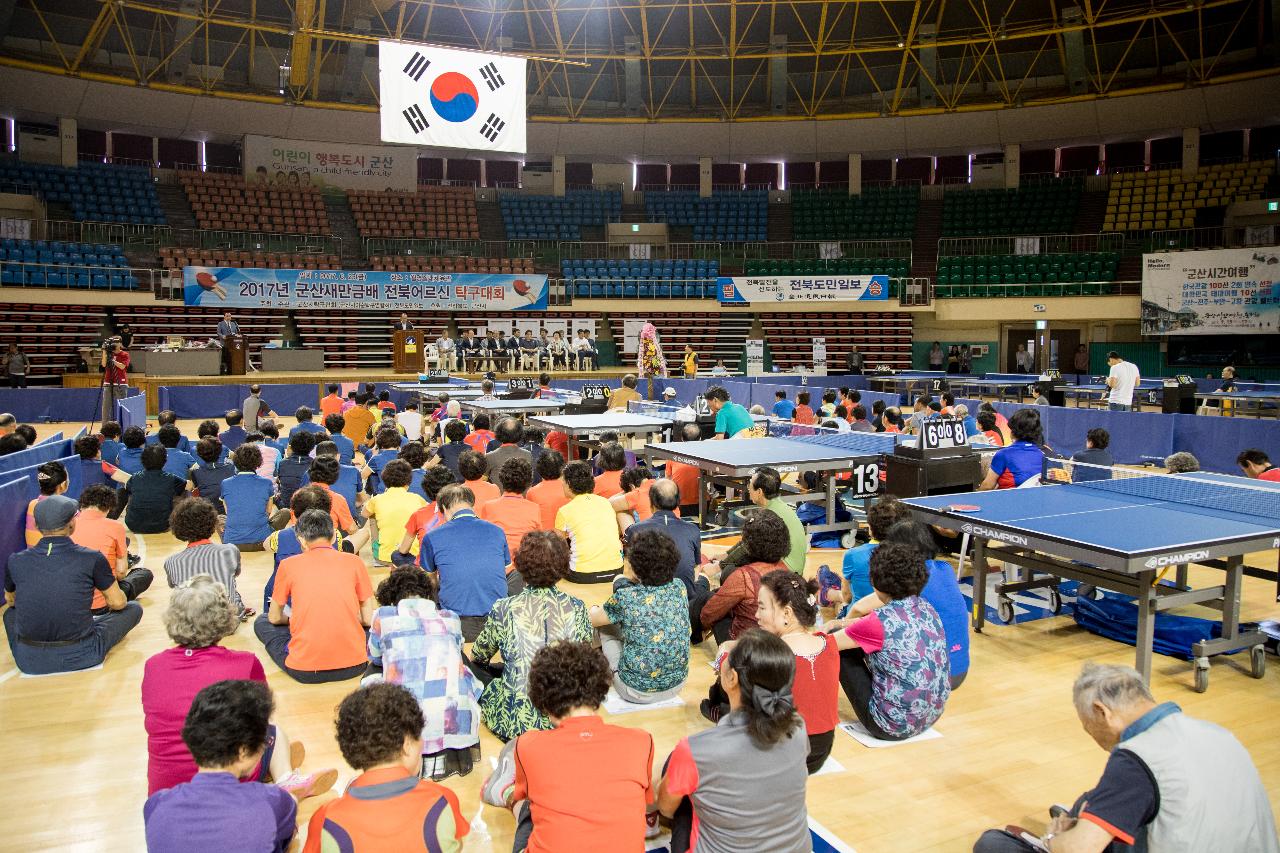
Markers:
<point>731,610</point>
<point>350,478</point>
<point>612,459</point>
<point>207,477</point>
<point>49,588</point>
<point>512,511</point>
<point>346,447</point>
<point>470,557</point>
<point>590,525</point>
<point>506,444</point>
<point>51,479</point>
<point>330,600</point>
<point>389,512</point>
<point>568,682</point>
<point>765,491</point>
<point>96,529</point>
<point>418,645</point>
<point>293,470</point>
<point>549,492</point>
<point>129,458</point>
<point>250,500</point>
<point>518,626</point>
<point>233,436</point>
<point>474,470</point>
<point>111,446</point>
<point>178,461</point>
<point>152,493</point>
<point>1171,782</point>
<point>643,628</point>
<point>388,450</point>
<point>741,784</point>
<point>195,522</point>
<point>664,497</point>
<point>93,469</point>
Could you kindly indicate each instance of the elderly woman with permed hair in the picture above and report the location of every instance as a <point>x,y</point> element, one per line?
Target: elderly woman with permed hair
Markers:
<point>200,614</point>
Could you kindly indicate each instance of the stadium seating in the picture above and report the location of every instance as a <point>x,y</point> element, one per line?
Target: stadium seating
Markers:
<point>882,337</point>
<point>892,267</point>
<point>95,192</point>
<point>226,202</point>
<point>431,213</point>
<point>1162,199</point>
<point>878,213</point>
<point>174,258</point>
<point>425,263</point>
<point>727,217</point>
<point>544,217</point>
<point>714,335</point>
<point>1048,207</point>
<point>1079,273</point>
<point>679,279</point>
<point>40,263</point>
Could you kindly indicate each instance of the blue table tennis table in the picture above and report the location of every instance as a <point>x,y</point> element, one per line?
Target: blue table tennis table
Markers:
<point>1094,394</point>
<point>931,381</point>
<point>1123,534</point>
<point>1248,402</point>
<point>1013,390</point>
<point>731,464</point>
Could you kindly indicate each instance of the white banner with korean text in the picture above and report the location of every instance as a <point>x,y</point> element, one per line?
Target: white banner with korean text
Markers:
<point>300,162</point>
<point>1222,291</point>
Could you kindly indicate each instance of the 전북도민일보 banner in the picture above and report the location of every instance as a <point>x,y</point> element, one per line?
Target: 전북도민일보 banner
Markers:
<point>808,288</point>
<point>360,290</point>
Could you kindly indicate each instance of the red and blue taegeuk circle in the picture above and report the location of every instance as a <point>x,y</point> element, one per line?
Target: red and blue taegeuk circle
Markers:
<point>454,96</point>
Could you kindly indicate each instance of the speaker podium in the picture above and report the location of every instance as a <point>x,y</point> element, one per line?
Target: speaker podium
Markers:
<point>233,354</point>
<point>407,351</point>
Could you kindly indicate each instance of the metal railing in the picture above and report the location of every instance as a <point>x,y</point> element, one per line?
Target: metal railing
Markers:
<point>1031,244</point>
<point>823,250</point>
<point>146,163</point>
<point>909,291</point>
<point>258,241</point>
<point>445,182</point>
<point>1219,237</point>
<point>448,248</point>
<point>80,276</point>
<point>1047,289</point>
<point>622,251</point>
<point>912,292</point>
<point>127,235</point>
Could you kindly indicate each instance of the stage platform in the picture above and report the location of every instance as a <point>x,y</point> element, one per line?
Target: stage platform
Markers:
<point>152,384</point>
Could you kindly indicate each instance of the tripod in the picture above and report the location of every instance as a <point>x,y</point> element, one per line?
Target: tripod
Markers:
<point>108,355</point>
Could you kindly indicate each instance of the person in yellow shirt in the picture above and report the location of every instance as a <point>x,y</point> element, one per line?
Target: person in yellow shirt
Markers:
<point>389,512</point>
<point>590,524</point>
<point>619,399</point>
<point>690,362</point>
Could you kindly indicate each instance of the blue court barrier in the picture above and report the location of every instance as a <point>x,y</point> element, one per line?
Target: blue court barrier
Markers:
<point>49,439</point>
<point>33,456</point>
<point>14,496</point>
<point>47,405</point>
<point>28,476</point>
<point>200,401</point>
<point>1216,441</point>
<point>1136,437</point>
<point>286,399</point>
<point>132,411</point>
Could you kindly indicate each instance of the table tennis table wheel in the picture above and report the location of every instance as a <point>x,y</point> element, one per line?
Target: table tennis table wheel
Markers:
<point>1087,590</point>
<point>1258,661</point>
<point>1202,674</point>
<point>848,539</point>
<point>1004,608</point>
<point>1055,601</point>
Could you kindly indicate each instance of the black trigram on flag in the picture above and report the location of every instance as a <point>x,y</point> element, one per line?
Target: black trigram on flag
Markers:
<point>492,127</point>
<point>417,121</point>
<point>491,77</point>
<point>417,66</point>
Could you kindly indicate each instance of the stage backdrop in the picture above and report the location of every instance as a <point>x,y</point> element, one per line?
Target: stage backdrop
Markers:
<point>823,288</point>
<point>335,164</point>
<point>362,290</point>
<point>451,98</point>
<point>1224,291</point>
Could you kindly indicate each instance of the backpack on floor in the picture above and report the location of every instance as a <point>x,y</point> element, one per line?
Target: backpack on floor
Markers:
<point>816,513</point>
<point>1116,617</point>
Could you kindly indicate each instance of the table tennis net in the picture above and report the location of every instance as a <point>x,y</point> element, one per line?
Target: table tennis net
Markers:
<point>1242,498</point>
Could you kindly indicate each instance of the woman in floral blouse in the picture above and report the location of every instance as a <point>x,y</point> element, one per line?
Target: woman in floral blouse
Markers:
<point>644,626</point>
<point>893,661</point>
<point>518,627</point>
<point>419,646</point>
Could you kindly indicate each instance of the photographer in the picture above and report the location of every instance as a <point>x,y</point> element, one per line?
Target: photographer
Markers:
<point>115,384</point>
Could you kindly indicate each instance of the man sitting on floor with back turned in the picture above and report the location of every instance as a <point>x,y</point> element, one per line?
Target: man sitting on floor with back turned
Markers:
<point>1172,782</point>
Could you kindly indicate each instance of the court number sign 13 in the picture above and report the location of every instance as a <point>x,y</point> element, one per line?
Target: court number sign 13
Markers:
<point>938,433</point>
<point>864,480</point>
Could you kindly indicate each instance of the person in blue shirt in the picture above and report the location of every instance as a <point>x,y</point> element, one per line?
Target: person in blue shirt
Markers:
<point>855,570</point>
<point>346,447</point>
<point>111,445</point>
<point>169,418</point>
<point>783,408</point>
<point>971,427</point>
<point>416,455</point>
<point>388,442</point>
<point>1023,459</point>
<point>470,557</point>
<point>350,478</point>
<point>292,470</point>
<point>271,437</point>
<point>94,470</point>
<point>731,418</point>
<point>212,471</point>
<point>233,436</point>
<point>129,460</point>
<point>209,429</point>
<point>455,433</point>
<point>249,501</point>
<point>178,462</point>
<point>305,422</point>
<point>942,590</point>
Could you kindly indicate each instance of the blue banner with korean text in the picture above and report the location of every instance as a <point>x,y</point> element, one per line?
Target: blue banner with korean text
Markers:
<point>362,290</point>
<point>808,288</point>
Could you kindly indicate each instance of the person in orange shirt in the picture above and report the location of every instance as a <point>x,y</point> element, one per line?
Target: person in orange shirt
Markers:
<point>803,414</point>
<point>633,505</point>
<point>331,403</point>
<point>512,511</point>
<point>359,420</point>
<point>611,459</point>
<point>324,472</point>
<point>892,419</point>
<point>549,494</point>
<point>473,467</point>
<point>481,435</point>
<point>107,536</point>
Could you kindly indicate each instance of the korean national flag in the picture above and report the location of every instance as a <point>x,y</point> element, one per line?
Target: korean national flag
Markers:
<point>438,97</point>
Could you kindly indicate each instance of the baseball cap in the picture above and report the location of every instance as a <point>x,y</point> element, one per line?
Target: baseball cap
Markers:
<point>669,392</point>
<point>55,512</point>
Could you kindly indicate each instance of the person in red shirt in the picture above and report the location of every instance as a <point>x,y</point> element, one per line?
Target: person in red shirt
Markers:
<point>549,493</point>
<point>115,382</point>
<point>731,611</point>
<point>386,807</point>
<point>1256,465</point>
<point>803,414</point>
<point>332,402</point>
<point>512,511</point>
<point>542,775</point>
<point>473,467</point>
<point>612,461</point>
<point>987,423</point>
<point>480,435</point>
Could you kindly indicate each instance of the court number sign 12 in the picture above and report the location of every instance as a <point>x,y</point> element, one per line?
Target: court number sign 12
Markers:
<point>864,480</point>
<point>938,433</point>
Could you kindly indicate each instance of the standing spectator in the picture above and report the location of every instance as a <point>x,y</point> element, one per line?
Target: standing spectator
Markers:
<point>1080,363</point>
<point>644,626</point>
<point>731,610</point>
<point>783,408</point>
<point>518,627</point>
<point>97,530</point>
<point>590,525</point>
<point>195,522</point>
<point>1256,465</point>
<point>390,511</point>
<point>211,472</point>
<point>549,494</point>
<point>16,366</point>
<point>322,638</point>
<point>1023,359</point>
<point>568,682</point>
<point>152,493</point>
<point>854,361</point>
<point>1123,381</point>
<point>249,498</point>
<point>417,645</point>
<point>966,359</point>
<point>741,784</point>
<point>49,589</point>
<point>470,556</point>
<point>115,381</point>
<point>936,356</point>
<point>473,467</point>
<point>512,511</point>
<point>386,807</point>
<point>233,436</point>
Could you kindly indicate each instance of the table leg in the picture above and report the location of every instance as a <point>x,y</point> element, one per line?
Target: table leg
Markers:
<point>1231,597</point>
<point>1146,601</point>
<point>1180,576</point>
<point>831,497</point>
<point>702,499</point>
<point>979,583</point>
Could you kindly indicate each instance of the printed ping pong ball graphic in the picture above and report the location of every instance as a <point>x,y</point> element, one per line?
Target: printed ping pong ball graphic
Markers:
<point>521,287</point>
<point>206,280</point>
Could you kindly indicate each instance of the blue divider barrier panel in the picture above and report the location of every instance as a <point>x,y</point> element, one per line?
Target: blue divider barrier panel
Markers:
<point>46,405</point>
<point>132,411</point>
<point>13,517</point>
<point>35,456</point>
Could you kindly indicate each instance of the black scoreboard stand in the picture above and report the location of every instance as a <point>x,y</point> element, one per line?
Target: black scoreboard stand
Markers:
<point>595,400</point>
<point>942,462</point>
<point>1051,383</point>
<point>1178,396</point>
<point>520,388</point>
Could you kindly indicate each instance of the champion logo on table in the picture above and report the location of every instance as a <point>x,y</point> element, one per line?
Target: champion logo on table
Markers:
<point>1175,559</point>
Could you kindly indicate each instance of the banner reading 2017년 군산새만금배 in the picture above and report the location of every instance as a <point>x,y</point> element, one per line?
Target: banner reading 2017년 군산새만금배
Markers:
<point>357,290</point>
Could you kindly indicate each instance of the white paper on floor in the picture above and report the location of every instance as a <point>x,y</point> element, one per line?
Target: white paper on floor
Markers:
<point>829,766</point>
<point>615,704</point>
<point>862,736</point>
<point>52,674</point>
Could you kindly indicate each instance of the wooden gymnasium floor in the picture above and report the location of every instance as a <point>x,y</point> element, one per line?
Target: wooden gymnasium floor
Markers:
<point>1010,745</point>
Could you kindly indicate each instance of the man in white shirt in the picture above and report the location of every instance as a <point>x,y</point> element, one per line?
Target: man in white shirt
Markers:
<point>1123,381</point>
<point>444,351</point>
<point>410,421</point>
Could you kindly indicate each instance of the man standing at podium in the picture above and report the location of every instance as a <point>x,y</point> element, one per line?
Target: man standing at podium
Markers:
<point>404,324</point>
<point>228,327</point>
<point>115,362</point>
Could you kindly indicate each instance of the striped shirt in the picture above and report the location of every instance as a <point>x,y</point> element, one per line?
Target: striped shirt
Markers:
<point>203,557</point>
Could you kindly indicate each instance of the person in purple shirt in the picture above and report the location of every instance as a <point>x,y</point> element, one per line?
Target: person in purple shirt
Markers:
<point>226,731</point>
